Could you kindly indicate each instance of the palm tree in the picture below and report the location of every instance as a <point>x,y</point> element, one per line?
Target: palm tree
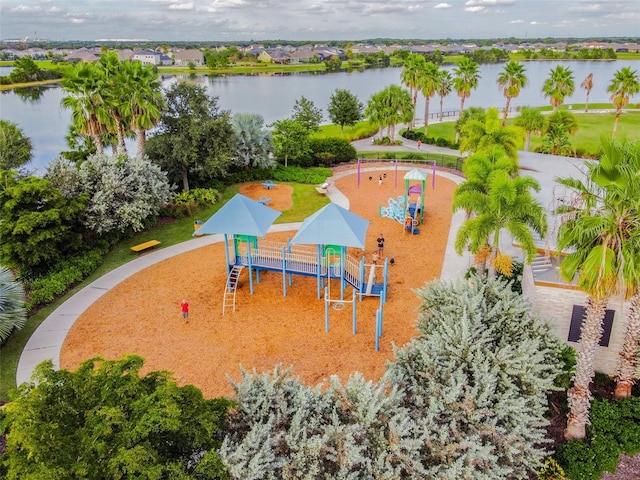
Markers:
<point>253,141</point>
<point>587,84</point>
<point>616,173</point>
<point>623,86</point>
<point>413,66</point>
<point>145,101</point>
<point>12,298</point>
<point>559,126</point>
<point>505,204</point>
<point>84,84</point>
<point>115,95</point>
<point>531,121</point>
<point>444,87</point>
<point>428,83</point>
<point>466,77</point>
<point>598,229</point>
<point>477,136</point>
<point>558,86</point>
<point>511,81</point>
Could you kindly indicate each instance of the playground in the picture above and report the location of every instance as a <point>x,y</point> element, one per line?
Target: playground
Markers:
<point>142,314</point>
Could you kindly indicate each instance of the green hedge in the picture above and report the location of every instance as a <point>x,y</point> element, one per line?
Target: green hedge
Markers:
<point>281,174</point>
<point>614,429</point>
<point>47,288</point>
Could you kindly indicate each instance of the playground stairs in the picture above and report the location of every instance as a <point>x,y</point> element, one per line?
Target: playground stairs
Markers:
<point>229,299</point>
<point>540,264</point>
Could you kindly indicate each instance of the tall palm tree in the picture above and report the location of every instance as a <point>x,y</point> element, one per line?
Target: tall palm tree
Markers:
<point>466,78</point>
<point>398,108</point>
<point>587,84</point>
<point>506,204</point>
<point>115,95</point>
<point>84,85</point>
<point>145,101</point>
<point>444,87</point>
<point>477,136</point>
<point>12,298</point>
<point>616,173</point>
<point>413,66</point>
<point>559,85</point>
<point>511,81</point>
<point>596,229</point>
<point>531,121</point>
<point>623,86</point>
<point>428,83</point>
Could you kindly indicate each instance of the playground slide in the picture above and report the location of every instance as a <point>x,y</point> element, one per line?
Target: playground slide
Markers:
<point>372,277</point>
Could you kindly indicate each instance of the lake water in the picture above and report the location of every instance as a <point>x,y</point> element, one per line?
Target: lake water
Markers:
<point>44,121</point>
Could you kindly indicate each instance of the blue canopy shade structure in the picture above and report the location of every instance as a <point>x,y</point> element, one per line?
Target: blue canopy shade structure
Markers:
<point>333,225</point>
<point>241,216</point>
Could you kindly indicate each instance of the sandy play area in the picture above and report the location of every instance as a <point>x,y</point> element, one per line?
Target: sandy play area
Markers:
<point>142,314</point>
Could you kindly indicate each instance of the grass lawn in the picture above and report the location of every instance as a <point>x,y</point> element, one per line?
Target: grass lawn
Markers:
<point>305,202</point>
<point>362,129</point>
<point>591,127</point>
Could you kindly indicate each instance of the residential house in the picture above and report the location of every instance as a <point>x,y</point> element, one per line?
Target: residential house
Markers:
<point>147,57</point>
<point>185,57</point>
<point>274,56</point>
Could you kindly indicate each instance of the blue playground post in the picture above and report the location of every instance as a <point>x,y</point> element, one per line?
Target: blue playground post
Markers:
<point>378,329</point>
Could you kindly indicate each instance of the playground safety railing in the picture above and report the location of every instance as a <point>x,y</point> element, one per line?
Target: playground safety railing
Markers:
<point>352,271</point>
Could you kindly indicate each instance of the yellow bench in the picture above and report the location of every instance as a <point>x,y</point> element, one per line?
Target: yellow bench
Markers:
<point>145,245</point>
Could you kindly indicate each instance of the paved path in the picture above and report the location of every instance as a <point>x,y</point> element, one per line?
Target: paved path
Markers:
<point>46,342</point>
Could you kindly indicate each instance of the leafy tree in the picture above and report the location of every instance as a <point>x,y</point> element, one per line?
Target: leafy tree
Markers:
<point>390,107</point>
<point>444,87</point>
<point>334,64</point>
<point>587,84</point>
<point>531,121</point>
<point>12,299</point>
<point>475,382</point>
<point>24,70</point>
<point>15,148</point>
<point>477,136</point>
<point>107,421</point>
<point>122,192</point>
<point>559,85</point>
<point>39,226</point>
<point>344,108</point>
<point>558,127</point>
<point>506,203</point>
<point>253,141</point>
<point>428,83</point>
<point>290,140</point>
<point>599,229</point>
<point>307,115</point>
<point>511,81</point>
<point>623,86</point>
<point>195,137</point>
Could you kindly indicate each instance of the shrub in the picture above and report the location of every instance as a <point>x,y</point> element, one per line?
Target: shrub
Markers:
<point>614,429</point>
<point>188,202</point>
<point>340,150</point>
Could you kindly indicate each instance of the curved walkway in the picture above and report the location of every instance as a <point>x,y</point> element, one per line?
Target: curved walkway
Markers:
<point>46,342</point>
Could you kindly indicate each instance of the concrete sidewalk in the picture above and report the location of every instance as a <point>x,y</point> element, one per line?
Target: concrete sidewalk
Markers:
<point>46,342</point>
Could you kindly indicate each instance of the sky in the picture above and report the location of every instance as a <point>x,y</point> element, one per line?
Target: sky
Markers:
<point>299,20</point>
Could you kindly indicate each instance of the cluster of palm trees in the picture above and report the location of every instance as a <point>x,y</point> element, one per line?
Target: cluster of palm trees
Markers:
<point>426,77</point>
<point>601,230</point>
<point>112,99</point>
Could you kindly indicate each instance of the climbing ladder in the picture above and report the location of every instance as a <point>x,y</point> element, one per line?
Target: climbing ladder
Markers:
<point>229,298</point>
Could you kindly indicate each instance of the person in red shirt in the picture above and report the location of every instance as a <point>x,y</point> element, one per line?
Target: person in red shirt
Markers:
<point>185,310</point>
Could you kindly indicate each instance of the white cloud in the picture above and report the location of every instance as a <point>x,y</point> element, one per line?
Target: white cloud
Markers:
<point>443,5</point>
<point>474,9</point>
<point>516,21</point>
<point>181,6</point>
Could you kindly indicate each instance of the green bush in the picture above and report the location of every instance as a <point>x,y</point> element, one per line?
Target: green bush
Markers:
<point>614,429</point>
<point>47,288</point>
<point>188,202</point>
<point>339,150</point>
